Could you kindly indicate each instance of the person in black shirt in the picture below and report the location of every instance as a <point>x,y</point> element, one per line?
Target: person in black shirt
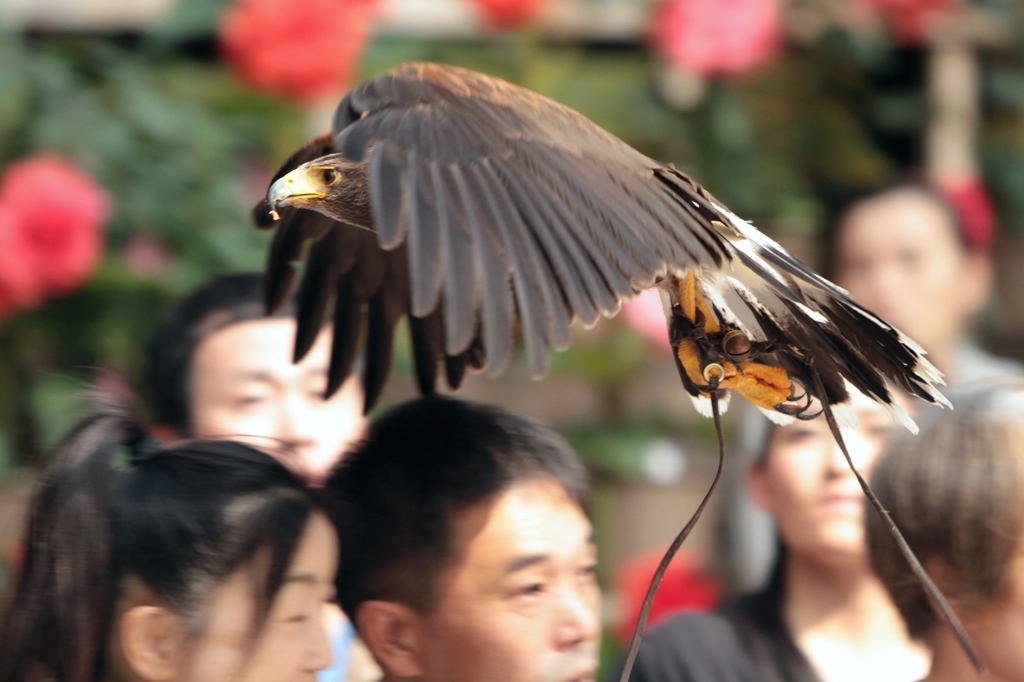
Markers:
<point>823,616</point>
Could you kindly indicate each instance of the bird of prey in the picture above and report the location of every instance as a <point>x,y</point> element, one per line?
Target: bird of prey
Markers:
<point>483,210</point>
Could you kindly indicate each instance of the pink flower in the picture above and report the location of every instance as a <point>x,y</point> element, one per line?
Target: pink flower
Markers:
<point>146,256</point>
<point>717,37</point>
<point>910,17</point>
<point>304,49</point>
<point>647,315</point>
<point>508,13</point>
<point>112,382</point>
<point>51,229</point>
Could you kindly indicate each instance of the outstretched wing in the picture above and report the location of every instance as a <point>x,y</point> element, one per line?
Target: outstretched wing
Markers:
<point>499,211</point>
<point>512,207</point>
<point>516,213</point>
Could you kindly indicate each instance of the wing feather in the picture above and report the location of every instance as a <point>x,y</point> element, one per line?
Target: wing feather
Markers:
<point>632,224</point>
<point>454,370</point>
<point>531,292</point>
<point>603,256</point>
<point>460,286</point>
<point>386,308</point>
<point>379,347</point>
<point>497,210</point>
<point>389,194</point>
<point>493,271</point>
<point>575,247</point>
<point>427,334</point>
<point>285,249</point>
<point>315,292</point>
<point>348,317</point>
<point>427,253</point>
<point>582,286</point>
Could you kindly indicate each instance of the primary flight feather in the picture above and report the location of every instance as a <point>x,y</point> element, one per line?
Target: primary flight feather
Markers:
<point>483,211</point>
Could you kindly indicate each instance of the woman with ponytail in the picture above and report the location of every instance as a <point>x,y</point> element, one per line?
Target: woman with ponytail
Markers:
<point>205,561</point>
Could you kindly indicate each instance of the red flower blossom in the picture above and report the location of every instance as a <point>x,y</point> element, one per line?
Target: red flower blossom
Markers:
<point>973,207</point>
<point>304,49</point>
<point>647,315</point>
<point>910,17</point>
<point>717,37</point>
<point>686,586</point>
<point>508,13</point>
<point>51,236</point>
<point>19,288</point>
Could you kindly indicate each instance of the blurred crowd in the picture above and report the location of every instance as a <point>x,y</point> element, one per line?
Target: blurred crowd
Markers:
<point>226,522</point>
<point>252,530</point>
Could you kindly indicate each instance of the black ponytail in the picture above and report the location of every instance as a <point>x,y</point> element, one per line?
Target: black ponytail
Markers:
<point>113,504</point>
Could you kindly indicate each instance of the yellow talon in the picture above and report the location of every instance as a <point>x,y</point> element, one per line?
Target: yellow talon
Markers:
<point>691,362</point>
<point>763,385</point>
<point>691,299</point>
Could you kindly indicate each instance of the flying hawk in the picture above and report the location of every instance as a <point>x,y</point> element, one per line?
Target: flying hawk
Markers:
<point>483,210</point>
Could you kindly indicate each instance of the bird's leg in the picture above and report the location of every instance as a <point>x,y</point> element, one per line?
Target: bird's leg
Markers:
<point>693,321</point>
<point>793,408</point>
<point>692,302</point>
<point>689,354</point>
<point>765,386</point>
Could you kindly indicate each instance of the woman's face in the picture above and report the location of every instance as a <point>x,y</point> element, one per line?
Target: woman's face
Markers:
<point>805,483</point>
<point>292,644</point>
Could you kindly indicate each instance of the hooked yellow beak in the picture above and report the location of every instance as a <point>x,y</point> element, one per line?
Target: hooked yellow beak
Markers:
<point>295,189</point>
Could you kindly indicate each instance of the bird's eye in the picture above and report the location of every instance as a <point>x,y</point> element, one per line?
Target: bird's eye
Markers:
<point>330,176</point>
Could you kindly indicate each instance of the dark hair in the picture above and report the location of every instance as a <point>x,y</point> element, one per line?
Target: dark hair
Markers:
<point>221,303</point>
<point>421,464</point>
<point>180,520</point>
<point>955,491</point>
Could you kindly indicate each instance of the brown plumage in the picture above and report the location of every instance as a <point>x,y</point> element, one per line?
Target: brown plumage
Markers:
<point>483,211</point>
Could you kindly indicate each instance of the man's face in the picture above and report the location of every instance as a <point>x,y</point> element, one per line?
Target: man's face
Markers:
<point>520,602</point>
<point>244,385</point>
<point>900,257</point>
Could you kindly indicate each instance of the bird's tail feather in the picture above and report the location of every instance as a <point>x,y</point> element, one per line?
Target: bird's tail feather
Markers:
<point>814,322</point>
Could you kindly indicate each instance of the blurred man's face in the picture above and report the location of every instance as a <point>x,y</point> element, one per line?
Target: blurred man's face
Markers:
<point>899,256</point>
<point>520,602</point>
<point>244,385</point>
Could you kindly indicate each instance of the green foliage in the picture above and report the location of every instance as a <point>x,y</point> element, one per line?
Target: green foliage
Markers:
<point>184,149</point>
<point>174,141</point>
